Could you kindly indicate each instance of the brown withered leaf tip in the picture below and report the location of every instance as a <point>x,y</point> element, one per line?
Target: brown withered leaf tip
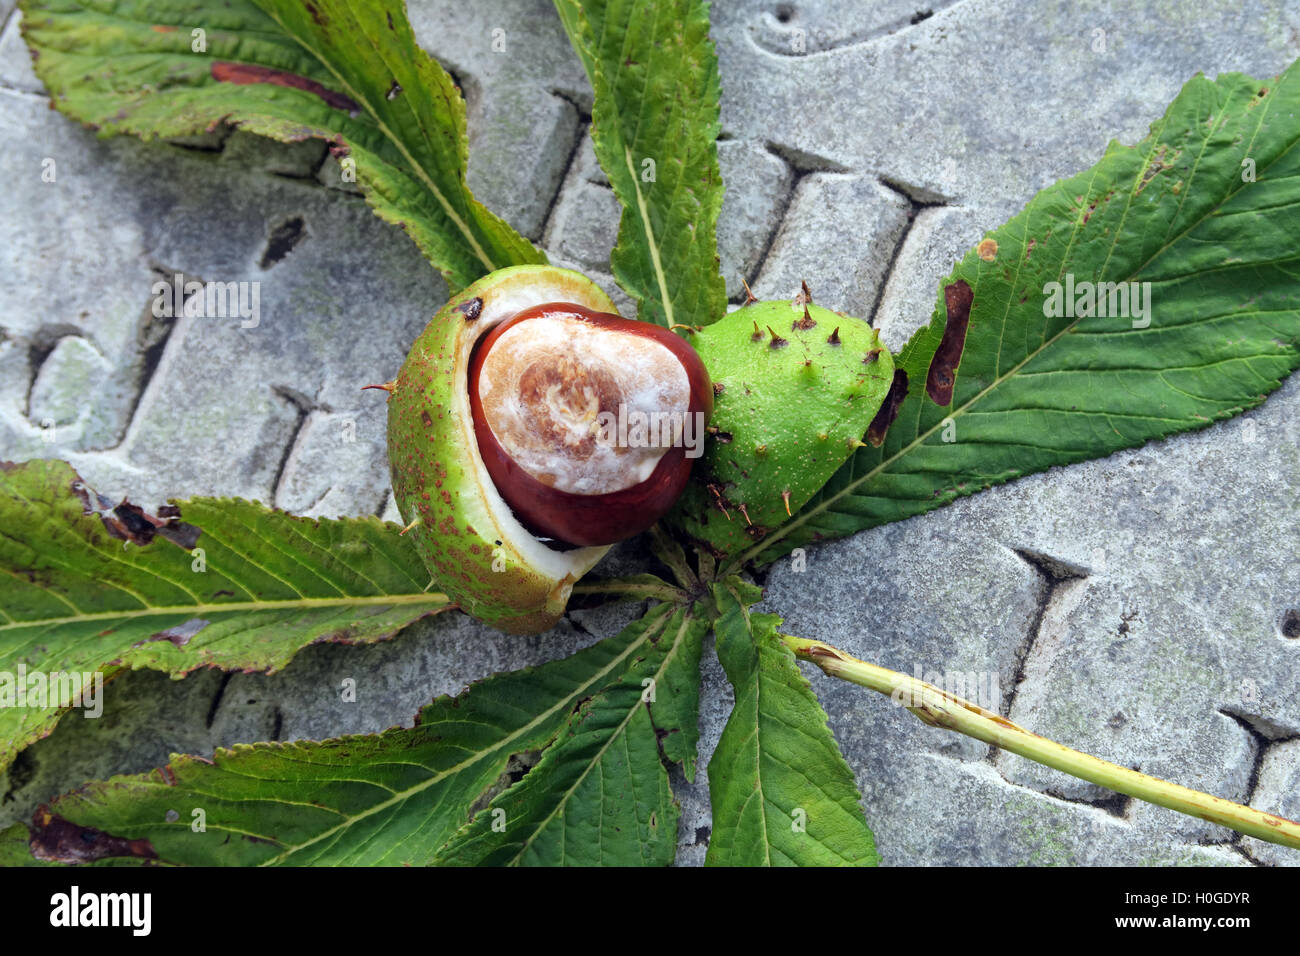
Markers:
<point>471,309</point>
<point>939,382</point>
<point>56,840</point>
<point>888,410</point>
<point>241,74</point>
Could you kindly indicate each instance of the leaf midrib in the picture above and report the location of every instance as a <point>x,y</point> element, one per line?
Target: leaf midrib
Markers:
<point>611,103</point>
<point>432,597</point>
<point>758,707</point>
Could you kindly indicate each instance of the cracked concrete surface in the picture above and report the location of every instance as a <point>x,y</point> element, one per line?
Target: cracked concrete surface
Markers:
<point>1145,607</point>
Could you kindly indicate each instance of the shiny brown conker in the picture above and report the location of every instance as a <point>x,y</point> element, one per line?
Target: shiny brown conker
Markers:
<point>588,423</point>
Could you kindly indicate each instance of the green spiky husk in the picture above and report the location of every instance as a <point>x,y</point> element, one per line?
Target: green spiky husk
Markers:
<point>798,392</point>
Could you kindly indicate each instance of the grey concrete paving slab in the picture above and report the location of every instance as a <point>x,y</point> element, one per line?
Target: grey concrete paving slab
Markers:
<point>1145,607</point>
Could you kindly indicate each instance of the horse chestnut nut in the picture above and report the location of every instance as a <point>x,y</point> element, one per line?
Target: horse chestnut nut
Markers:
<point>529,428</point>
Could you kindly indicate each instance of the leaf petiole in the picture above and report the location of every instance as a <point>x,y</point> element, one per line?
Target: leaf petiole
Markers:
<point>939,709</point>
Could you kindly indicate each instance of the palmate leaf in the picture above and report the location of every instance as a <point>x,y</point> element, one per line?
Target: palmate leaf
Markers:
<point>227,584</point>
<point>346,71</point>
<point>654,126</point>
<point>781,791</point>
<point>380,799</point>
<point>600,796</point>
<point>1182,211</point>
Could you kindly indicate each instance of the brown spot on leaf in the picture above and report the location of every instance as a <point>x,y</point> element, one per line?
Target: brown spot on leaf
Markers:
<point>181,634</point>
<point>942,376</point>
<point>163,28</point>
<point>987,250</point>
<point>242,74</point>
<point>56,840</point>
<point>1156,166</point>
<point>128,522</point>
<point>888,409</point>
